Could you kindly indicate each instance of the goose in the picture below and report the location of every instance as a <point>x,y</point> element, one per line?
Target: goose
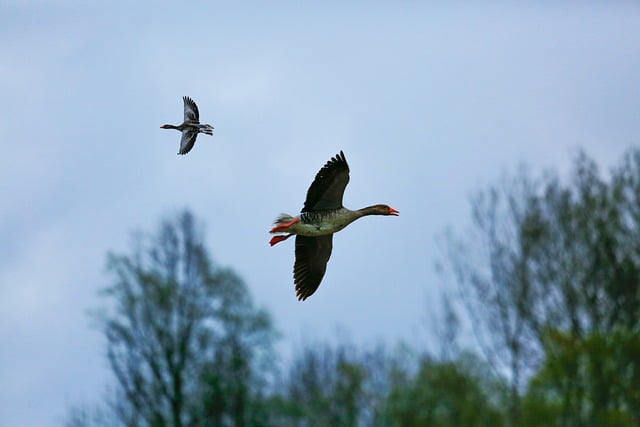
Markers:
<point>322,215</point>
<point>190,127</point>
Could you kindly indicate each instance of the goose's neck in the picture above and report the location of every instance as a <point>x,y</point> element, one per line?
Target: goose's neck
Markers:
<point>369,210</point>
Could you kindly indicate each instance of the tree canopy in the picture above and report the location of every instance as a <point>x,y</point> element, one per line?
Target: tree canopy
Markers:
<point>551,280</point>
<point>185,342</point>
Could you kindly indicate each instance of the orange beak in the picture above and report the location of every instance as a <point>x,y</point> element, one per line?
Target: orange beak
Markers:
<point>393,211</point>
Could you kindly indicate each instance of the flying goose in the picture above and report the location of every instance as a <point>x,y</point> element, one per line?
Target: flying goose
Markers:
<point>322,215</point>
<point>190,127</point>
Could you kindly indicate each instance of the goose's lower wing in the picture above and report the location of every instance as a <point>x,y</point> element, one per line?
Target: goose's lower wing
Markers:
<point>188,140</point>
<point>312,255</point>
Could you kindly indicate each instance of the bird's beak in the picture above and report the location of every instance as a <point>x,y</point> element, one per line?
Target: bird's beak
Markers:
<point>393,211</point>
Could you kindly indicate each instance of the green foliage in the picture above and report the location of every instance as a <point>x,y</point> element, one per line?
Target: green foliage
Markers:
<point>328,386</point>
<point>592,380</point>
<point>443,393</point>
<point>550,277</point>
<point>341,386</point>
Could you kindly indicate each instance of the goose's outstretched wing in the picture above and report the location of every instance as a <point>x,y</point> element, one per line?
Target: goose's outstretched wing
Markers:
<point>327,188</point>
<point>191,112</point>
<point>188,140</point>
<point>312,255</point>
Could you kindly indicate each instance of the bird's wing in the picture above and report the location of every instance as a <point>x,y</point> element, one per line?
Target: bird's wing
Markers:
<point>312,255</point>
<point>188,140</point>
<point>327,188</point>
<point>191,112</point>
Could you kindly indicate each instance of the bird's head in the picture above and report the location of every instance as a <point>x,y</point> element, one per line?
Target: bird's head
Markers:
<point>383,210</point>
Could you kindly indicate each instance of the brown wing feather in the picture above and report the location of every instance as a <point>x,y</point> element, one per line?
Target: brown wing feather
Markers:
<point>327,188</point>
<point>191,112</point>
<point>312,255</point>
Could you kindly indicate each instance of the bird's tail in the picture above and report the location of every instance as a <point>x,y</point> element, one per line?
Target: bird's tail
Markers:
<point>284,223</point>
<point>206,129</point>
<point>283,218</point>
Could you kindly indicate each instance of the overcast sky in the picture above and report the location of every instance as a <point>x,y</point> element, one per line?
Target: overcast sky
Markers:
<point>428,104</point>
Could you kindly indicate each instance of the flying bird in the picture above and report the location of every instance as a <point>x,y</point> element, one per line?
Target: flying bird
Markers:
<point>190,127</point>
<point>321,216</point>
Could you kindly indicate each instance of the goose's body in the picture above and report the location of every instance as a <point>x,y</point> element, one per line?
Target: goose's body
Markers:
<point>190,127</point>
<point>321,217</point>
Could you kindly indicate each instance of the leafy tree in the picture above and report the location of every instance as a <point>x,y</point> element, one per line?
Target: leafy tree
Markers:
<point>334,386</point>
<point>184,339</point>
<point>445,393</point>
<point>588,272</point>
<point>557,399</point>
<point>556,280</point>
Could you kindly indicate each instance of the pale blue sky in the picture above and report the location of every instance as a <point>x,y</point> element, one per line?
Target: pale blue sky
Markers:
<point>428,103</point>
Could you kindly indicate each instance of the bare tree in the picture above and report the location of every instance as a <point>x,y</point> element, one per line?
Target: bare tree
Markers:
<point>492,266</point>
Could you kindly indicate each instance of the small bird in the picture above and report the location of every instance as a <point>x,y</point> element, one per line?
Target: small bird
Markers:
<point>190,127</point>
<point>321,216</point>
